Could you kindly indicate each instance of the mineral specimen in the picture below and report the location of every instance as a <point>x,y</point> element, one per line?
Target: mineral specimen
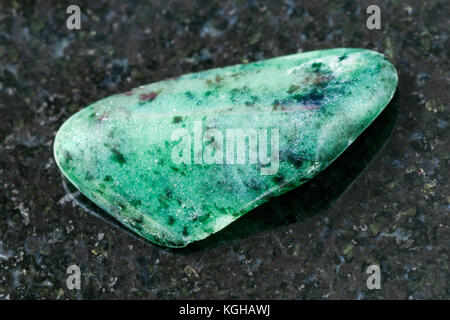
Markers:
<point>178,160</point>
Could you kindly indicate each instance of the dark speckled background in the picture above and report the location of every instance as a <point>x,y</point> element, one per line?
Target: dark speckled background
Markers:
<point>385,201</point>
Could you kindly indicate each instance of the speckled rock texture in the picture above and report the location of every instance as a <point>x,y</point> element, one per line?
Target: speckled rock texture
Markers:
<point>384,201</point>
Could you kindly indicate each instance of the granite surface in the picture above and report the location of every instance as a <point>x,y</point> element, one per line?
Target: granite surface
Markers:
<point>385,201</point>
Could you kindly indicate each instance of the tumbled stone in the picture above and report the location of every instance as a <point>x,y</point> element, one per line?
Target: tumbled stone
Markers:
<point>178,160</point>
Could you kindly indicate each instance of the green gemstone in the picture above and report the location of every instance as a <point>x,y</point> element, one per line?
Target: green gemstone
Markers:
<point>178,160</point>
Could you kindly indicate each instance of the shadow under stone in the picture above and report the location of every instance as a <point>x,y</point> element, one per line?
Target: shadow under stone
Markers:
<point>309,199</point>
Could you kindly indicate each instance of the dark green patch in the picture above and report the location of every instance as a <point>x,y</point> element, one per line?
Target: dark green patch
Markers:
<point>121,205</point>
<point>275,104</point>
<point>135,203</point>
<point>67,156</point>
<point>292,89</point>
<point>316,66</point>
<point>253,184</point>
<point>252,101</point>
<point>204,217</point>
<point>89,176</point>
<point>296,160</point>
<point>139,219</point>
<point>177,119</point>
<point>315,96</point>
<point>190,95</point>
<point>118,157</point>
<point>278,178</point>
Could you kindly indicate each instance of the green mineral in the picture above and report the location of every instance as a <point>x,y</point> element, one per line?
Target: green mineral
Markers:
<point>178,160</point>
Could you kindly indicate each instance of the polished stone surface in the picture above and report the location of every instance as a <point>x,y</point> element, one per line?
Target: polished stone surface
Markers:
<point>384,201</point>
<point>170,160</point>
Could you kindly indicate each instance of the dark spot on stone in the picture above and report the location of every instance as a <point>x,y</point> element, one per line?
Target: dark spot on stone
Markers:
<point>118,157</point>
<point>102,117</point>
<point>252,101</point>
<point>170,220</point>
<point>275,104</point>
<point>208,230</point>
<point>207,93</point>
<point>148,97</point>
<point>253,184</point>
<point>108,179</point>
<point>313,97</point>
<point>135,203</point>
<point>296,160</point>
<point>343,57</point>
<point>88,176</point>
<point>220,209</point>
<point>67,156</point>
<point>236,214</point>
<point>137,222</point>
<point>292,89</point>
<point>278,178</point>
<point>177,119</point>
<point>205,217</point>
<point>185,231</point>
<point>316,66</point>
<point>190,95</point>
<point>233,93</point>
<point>121,205</point>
